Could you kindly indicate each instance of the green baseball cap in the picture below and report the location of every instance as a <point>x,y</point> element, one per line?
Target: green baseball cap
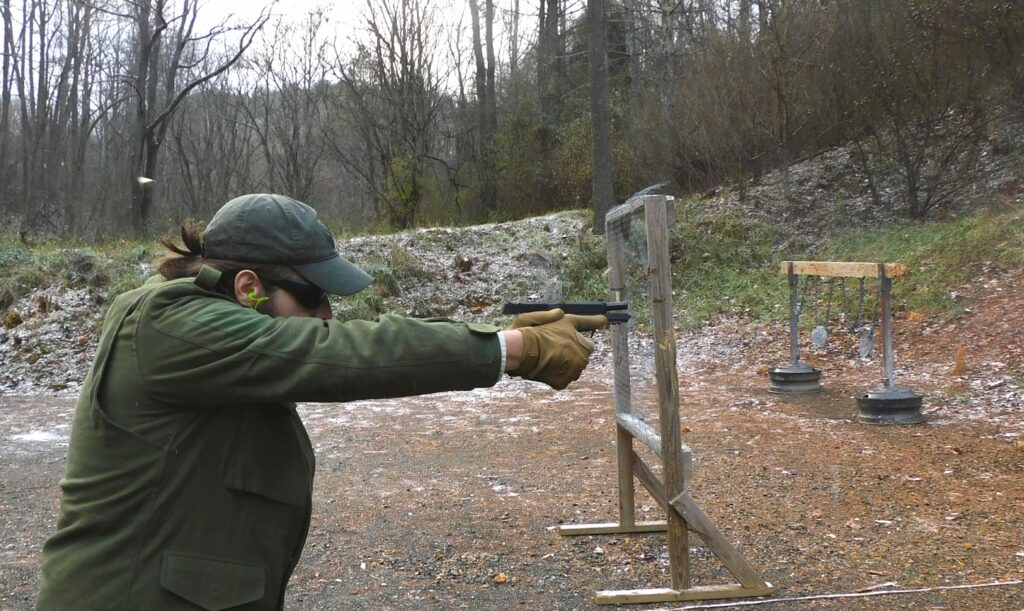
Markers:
<point>274,229</point>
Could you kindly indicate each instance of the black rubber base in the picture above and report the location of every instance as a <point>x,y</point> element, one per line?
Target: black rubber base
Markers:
<point>794,379</point>
<point>890,406</point>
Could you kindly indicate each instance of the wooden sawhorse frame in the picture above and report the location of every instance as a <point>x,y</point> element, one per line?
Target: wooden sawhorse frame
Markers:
<point>683,514</point>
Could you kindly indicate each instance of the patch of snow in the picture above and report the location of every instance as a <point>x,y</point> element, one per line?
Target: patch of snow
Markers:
<point>41,437</point>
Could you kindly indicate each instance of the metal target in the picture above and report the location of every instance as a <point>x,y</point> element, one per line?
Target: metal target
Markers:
<point>867,341</point>
<point>819,337</point>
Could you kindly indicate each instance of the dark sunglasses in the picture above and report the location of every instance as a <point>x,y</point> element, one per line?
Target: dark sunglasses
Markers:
<point>309,296</point>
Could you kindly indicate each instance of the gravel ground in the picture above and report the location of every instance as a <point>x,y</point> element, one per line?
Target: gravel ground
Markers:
<point>451,500</point>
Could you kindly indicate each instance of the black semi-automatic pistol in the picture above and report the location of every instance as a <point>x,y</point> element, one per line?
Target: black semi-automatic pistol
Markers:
<point>614,311</point>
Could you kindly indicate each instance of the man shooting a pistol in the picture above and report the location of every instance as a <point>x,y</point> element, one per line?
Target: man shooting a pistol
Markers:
<point>190,474</point>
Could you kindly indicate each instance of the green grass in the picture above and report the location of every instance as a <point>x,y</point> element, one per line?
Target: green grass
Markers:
<point>1017,375</point>
<point>723,264</point>
<point>583,273</point>
<point>940,256</point>
<point>720,264</point>
<point>396,267</point>
<point>365,305</point>
<point>110,268</point>
<point>726,264</point>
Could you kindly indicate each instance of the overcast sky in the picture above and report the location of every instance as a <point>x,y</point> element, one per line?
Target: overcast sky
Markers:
<point>346,21</point>
<point>346,15</point>
<point>347,10</point>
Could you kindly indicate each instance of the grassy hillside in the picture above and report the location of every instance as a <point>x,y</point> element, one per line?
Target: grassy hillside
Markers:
<point>722,263</point>
<point>110,268</point>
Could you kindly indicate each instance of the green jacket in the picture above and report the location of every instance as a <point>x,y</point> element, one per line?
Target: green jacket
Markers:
<point>189,472</point>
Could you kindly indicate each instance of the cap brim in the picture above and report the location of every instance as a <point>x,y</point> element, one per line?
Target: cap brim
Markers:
<point>335,275</point>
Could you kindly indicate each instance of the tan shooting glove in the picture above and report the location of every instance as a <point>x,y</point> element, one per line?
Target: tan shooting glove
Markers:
<point>554,350</point>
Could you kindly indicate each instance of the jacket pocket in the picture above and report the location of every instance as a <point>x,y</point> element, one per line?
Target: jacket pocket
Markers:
<point>210,583</point>
<point>266,458</point>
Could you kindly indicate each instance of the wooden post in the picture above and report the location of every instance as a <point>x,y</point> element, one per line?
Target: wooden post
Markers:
<point>620,360</point>
<point>660,279</point>
<point>885,296</point>
<point>794,317</point>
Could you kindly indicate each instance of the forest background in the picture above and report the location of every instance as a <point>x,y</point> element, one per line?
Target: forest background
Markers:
<point>460,112</point>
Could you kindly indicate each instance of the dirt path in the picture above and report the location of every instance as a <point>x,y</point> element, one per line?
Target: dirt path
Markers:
<point>430,502</point>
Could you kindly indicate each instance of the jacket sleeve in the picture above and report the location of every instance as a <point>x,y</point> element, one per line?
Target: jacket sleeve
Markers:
<point>206,350</point>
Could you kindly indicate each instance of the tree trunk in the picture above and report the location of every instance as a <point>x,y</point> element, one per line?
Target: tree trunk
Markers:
<point>142,194</point>
<point>603,179</point>
<point>548,95</point>
<point>667,21</point>
<point>547,61</point>
<point>492,109</point>
<point>763,14</point>
<point>513,53</point>
<point>485,101</point>
<point>5,106</point>
<point>743,29</point>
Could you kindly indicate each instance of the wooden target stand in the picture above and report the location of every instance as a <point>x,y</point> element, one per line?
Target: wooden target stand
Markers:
<point>683,513</point>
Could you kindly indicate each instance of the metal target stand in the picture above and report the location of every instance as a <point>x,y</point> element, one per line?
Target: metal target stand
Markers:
<point>682,512</point>
<point>888,404</point>
<point>794,377</point>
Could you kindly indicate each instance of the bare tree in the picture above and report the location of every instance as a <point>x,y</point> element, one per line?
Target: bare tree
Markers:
<point>743,28</point>
<point>159,84</point>
<point>513,44</point>
<point>711,91</point>
<point>392,90</point>
<point>289,111</point>
<point>213,149</point>
<point>548,60</point>
<point>924,93</point>
<point>549,87</point>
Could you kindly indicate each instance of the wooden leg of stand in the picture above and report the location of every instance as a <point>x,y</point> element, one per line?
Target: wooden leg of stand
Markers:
<point>717,543</point>
<point>611,528</point>
<point>627,492</point>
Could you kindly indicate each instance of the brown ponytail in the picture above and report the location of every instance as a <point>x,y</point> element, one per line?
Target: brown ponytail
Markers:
<point>184,260</point>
